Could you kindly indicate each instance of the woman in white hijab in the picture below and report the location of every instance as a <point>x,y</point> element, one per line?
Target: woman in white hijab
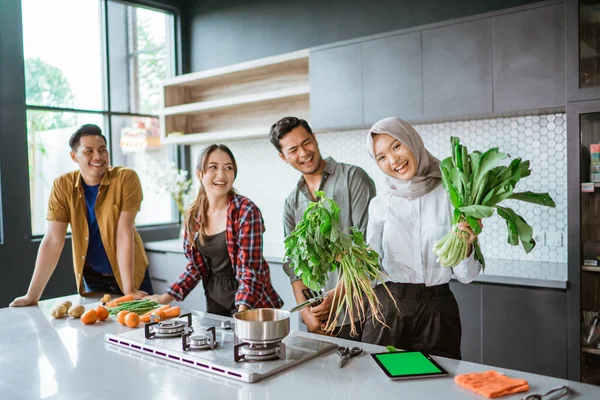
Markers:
<point>405,220</point>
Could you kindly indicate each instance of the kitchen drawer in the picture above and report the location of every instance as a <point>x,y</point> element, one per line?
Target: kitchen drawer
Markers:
<point>166,266</point>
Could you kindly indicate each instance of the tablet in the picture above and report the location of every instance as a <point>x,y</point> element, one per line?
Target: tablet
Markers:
<point>408,365</point>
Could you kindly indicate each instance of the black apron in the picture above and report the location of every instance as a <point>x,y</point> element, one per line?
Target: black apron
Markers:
<point>220,284</point>
<point>427,319</point>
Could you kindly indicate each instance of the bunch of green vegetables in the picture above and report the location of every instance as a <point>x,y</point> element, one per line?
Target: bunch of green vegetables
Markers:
<point>317,246</point>
<point>477,185</point>
<point>137,306</point>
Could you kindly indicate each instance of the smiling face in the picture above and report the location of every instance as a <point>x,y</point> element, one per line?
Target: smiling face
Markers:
<point>218,174</point>
<point>394,158</point>
<point>92,158</point>
<point>300,149</point>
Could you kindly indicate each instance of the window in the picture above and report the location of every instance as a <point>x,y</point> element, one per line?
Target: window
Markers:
<point>101,62</point>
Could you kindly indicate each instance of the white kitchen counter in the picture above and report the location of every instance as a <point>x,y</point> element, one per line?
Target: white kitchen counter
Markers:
<point>507,272</point>
<point>43,358</point>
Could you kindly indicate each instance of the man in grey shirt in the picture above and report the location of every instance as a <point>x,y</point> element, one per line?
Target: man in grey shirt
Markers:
<point>348,185</point>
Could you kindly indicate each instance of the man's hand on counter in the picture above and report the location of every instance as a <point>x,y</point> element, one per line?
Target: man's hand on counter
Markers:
<point>24,301</point>
<point>138,294</point>
<point>160,298</point>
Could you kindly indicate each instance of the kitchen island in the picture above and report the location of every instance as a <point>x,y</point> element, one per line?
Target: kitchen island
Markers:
<point>45,358</point>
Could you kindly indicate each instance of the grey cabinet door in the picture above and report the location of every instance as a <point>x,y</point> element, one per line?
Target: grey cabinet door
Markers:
<point>525,329</point>
<point>457,70</point>
<point>336,88</point>
<point>529,59</point>
<point>392,78</point>
<point>468,298</point>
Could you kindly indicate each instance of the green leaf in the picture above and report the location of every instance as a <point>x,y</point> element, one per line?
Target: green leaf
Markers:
<point>524,167</point>
<point>543,199</point>
<point>478,253</point>
<point>522,228</point>
<point>474,224</point>
<point>489,160</point>
<point>466,163</point>
<point>477,211</point>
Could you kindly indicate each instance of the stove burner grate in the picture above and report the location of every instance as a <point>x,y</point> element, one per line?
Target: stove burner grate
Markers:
<point>199,342</point>
<point>169,329</point>
<point>259,352</point>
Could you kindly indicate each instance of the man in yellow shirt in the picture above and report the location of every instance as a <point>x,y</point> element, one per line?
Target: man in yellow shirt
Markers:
<point>100,202</point>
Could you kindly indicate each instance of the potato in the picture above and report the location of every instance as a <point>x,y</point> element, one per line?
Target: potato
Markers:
<point>77,311</point>
<point>59,311</point>
<point>105,299</point>
<point>67,304</point>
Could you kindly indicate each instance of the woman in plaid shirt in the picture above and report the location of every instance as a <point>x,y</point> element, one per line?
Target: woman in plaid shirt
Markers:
<point>223,243</point>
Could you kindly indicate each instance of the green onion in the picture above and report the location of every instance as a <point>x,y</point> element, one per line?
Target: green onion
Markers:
<point>137,306</point>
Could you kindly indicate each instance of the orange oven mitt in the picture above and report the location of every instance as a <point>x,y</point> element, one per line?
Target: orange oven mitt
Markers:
<point>491,384</point>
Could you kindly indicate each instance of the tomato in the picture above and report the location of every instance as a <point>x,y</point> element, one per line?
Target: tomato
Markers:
<point>132,320</point>
<point>89,317</point>
<point>102,313</point>
<point>121,316</point>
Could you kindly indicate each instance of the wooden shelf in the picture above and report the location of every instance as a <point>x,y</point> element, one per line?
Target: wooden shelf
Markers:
<point>235,102</point>
<point>275,95</point>
<point>210,137</point>
<point>198,77</point>
<point>590,350</point>
<point>590,269</point>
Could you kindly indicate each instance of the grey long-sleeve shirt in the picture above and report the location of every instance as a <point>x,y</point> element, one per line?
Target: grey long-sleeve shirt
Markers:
<point>351,188</point>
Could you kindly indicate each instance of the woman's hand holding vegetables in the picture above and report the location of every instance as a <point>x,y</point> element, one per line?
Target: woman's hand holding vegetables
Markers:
<point>160,298</point>
<point>465,227</point>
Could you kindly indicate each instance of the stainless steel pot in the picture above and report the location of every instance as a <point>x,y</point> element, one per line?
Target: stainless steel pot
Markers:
<point>262,325</point>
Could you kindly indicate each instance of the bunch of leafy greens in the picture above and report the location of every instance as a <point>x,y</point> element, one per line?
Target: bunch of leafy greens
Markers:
<point>318,246</point>
<point>476,185</point>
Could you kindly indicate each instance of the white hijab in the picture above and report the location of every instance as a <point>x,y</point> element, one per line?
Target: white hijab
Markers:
<point>428,174</point>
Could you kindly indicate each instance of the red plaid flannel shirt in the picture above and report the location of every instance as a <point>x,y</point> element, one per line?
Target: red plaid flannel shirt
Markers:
<point>243,235</point>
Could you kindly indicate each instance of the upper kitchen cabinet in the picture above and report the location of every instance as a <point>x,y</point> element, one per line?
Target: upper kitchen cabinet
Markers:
<point>235,102</point>
<point>336,87</point>
<point>529,59</point>
<point>583,50</point>
<point>457,70</point>
<point>392,78</point>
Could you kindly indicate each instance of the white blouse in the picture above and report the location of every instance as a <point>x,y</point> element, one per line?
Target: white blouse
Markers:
<point>404,231</point>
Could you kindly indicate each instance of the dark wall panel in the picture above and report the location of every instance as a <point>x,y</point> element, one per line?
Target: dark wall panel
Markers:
<point>233,31</point>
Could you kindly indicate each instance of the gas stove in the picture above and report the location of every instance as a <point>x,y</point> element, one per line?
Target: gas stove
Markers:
<point>211,346</point>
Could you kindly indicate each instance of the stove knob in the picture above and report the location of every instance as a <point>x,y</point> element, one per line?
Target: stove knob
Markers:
<point>226,325</point>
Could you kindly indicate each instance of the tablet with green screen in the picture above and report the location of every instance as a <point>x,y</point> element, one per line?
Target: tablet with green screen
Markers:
<point>408,365</point>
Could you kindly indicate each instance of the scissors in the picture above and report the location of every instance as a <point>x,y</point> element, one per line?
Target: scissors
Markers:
<point>346,354</point>
<point>557,392</point>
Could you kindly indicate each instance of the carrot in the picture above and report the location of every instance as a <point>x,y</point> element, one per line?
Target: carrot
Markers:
<point>163,308</point>
<point>123,299</point>
<point>146,317</point>
<point>173,312</point>
<point>110,304</point>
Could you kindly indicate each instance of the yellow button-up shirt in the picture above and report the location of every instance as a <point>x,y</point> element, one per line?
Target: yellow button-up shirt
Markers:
<point>120,190</point>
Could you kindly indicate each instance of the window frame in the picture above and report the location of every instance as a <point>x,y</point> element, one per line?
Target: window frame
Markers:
<point>176,153</point>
